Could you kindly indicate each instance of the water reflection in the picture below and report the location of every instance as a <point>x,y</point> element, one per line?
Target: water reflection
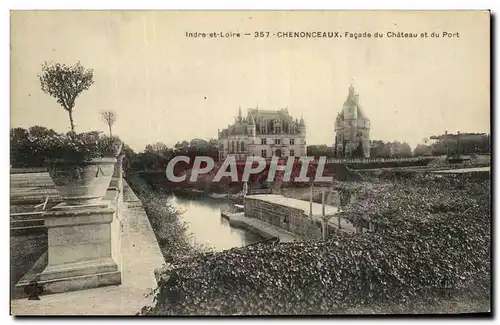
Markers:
<point>208,227</point>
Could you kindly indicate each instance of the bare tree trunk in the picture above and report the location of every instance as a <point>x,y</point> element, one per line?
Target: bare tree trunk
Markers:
<point>110,134</point>
<point>70,112</point>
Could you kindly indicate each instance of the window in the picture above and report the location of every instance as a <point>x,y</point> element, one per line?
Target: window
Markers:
<point>263,153</point>
<point>292,153</point>
<point>263,141</point>
<point>242,146</point>
<point>292,141</point>
<point>277,141</point>
<point>232,146</point>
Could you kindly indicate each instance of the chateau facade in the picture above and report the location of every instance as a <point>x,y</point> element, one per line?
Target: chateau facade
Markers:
<point>263,133</point>
<point>352,129</point>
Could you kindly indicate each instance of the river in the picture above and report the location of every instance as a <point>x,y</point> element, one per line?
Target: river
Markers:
<point>204,221</point>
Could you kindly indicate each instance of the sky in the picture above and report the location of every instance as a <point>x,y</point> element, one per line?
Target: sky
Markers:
<point>166,87</point>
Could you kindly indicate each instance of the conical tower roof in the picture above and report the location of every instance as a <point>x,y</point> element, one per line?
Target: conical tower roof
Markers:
<point>302,123</point>
<point>251,120</point>
<point>353,101</point>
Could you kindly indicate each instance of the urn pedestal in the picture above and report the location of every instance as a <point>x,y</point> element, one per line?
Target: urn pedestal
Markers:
<point>80,248</point>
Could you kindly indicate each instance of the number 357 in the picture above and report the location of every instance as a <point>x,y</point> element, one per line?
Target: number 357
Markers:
<point>260,34</point>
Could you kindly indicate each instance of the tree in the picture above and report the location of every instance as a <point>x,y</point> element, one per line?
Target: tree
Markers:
<point>358,152</point>
<point>380,149</point>
<point>402,149</point>
<point>27,147</point>
<point>319,150</point>
<point>65,83</point>
<point>422,150</point>
<point>109,117</point>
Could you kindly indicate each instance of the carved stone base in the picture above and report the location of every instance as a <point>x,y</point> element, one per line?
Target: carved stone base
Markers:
<point>79,248</point>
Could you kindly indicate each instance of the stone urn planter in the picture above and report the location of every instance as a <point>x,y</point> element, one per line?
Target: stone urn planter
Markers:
<point>83,183</point>
<point>81,165</point>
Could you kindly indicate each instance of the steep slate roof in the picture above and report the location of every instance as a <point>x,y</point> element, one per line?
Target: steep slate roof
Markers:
<point>255,116</point>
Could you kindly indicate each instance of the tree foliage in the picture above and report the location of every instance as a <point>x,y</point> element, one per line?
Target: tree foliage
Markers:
<point>34,146</point>
<point>319,151</point>
<point>65,83</point>
<point>25,146</point>
<point>396,149</point>
<point>157,155</point>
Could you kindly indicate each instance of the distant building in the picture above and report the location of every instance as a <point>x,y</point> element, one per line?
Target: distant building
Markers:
<point>265,133</point>
<point>352,129</point>
<point>459,136</point>
<point>461,143</point>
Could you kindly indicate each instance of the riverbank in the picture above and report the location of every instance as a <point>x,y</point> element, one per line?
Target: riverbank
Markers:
<point>170,231</point>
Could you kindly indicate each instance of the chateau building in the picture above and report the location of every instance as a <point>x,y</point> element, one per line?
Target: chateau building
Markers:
<point>264,133</point>
<point>352,129</point>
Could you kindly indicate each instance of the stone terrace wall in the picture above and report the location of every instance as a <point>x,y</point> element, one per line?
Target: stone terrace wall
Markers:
<point>288,218</point>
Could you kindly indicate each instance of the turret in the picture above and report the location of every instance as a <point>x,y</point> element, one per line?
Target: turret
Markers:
<point>251,125</point>
<point>338,122</point>
<point>302,126</point>
<point>240,118</point>
<point>302,123</point>
<point>350,105</point>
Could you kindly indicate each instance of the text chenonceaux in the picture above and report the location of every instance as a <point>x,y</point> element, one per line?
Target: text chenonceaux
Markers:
<point>253,165</point>
<point>323,34</point>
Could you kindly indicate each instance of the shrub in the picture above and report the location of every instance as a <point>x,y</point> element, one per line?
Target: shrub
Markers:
<point>80,147</point>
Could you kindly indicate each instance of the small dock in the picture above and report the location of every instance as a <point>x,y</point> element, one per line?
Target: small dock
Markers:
<point>305,208</point>
<point>295,203</point>
<point>258,227</point>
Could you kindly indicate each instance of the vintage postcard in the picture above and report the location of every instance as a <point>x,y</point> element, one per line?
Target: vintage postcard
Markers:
<point>167,163</point>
